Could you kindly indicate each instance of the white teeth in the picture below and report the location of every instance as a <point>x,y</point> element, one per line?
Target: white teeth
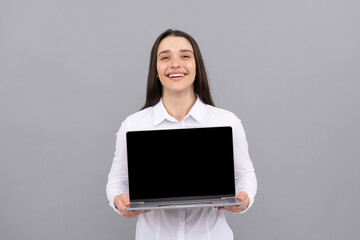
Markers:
<point>176,75</point>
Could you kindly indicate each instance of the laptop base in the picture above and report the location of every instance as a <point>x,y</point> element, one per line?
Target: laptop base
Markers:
<point>184,204</point>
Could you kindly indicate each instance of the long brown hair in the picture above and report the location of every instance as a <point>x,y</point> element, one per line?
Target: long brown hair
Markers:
<point>154,87</point>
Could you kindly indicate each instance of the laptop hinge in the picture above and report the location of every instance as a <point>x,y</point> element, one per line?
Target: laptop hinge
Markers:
<point>227,197</point>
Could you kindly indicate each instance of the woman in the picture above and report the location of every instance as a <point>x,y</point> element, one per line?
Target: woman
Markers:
<point>178,94</point>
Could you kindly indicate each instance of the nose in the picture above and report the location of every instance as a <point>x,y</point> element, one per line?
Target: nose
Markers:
<point>175,62</point>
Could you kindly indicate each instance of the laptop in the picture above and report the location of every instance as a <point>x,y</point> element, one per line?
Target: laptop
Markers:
<point>181,168</point>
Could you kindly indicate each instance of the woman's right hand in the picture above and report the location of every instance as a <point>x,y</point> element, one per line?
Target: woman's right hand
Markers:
<point>121,202</point>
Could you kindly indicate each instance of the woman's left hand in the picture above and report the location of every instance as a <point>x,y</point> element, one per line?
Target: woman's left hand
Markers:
<point>242,196</point>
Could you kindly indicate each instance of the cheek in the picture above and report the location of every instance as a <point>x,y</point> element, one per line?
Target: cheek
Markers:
<point>160,68</point>
<point>192,68</point>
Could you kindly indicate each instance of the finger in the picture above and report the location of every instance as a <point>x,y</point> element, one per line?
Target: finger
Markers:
<point>235,209</point>
<point>119,202</point>
<point>138,212</point>
<point>122,208</point>
<point>242,196</point>
<point>231,208</point>
<point>129,214</point>
<point>122,202</point>
<point>132,214</point>
<point>121,205</point>
<point>126,201</point>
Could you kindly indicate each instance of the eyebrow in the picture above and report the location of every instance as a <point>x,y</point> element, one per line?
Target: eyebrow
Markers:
<point>181,50</point>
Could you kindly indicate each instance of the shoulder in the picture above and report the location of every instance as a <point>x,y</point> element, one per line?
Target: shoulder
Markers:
<point>140,115</point>
<point>222,115</point>
<point>219,116</point>
<point>138,120</point>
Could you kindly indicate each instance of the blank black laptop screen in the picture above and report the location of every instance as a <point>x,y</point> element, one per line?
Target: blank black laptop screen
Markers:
<point>180,163</point>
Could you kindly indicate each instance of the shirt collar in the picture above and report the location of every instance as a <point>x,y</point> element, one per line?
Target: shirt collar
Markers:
<point>197,112</point>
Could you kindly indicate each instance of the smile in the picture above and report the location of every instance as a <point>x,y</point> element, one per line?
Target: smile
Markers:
<point>176,76</point>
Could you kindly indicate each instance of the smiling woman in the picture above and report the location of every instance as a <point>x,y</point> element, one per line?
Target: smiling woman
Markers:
<point>189,46</point>
<point>178,95</point>
<point>176,68</point>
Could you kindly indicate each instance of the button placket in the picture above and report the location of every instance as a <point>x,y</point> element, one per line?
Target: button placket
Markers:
<point>181,224</point>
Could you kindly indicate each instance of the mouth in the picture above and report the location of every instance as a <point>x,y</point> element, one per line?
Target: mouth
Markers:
<point>176,76</point>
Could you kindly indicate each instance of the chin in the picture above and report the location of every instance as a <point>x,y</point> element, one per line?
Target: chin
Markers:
<point>179,90</point>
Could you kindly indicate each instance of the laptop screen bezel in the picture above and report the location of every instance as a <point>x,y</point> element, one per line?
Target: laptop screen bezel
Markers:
<point>179,198</point>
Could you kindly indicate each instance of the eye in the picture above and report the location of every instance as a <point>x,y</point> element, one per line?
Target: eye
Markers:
<point>186,56</point>
<point>164,58</point>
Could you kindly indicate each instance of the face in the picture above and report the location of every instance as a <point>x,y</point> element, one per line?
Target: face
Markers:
<point>176,65</point>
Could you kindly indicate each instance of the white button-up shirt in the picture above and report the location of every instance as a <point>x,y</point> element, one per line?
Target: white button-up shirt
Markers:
<point>191,223</point>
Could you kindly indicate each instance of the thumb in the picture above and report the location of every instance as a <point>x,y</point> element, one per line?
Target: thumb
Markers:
<point>126,201</point>
<point>241,196</point>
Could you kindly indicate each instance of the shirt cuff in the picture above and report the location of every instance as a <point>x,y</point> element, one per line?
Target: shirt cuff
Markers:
<point>111,202</point>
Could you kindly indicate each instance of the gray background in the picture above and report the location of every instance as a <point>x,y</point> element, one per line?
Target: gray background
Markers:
<point>72,70</point>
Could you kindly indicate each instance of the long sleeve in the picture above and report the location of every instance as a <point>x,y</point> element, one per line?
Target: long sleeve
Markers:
<point>245,178</point>
<point>118,175</point>
<point>192,223</point>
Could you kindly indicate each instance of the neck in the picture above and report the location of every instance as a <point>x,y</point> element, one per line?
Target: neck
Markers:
<point>178,105</point>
